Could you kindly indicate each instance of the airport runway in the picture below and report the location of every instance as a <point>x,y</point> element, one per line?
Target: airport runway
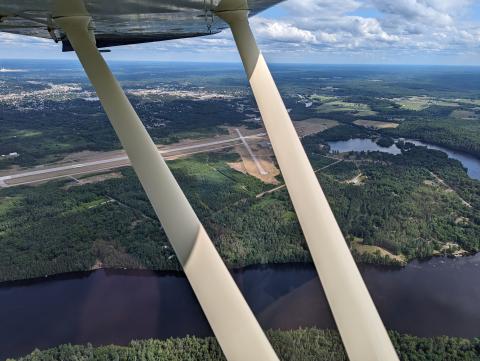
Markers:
<point>110,160</point>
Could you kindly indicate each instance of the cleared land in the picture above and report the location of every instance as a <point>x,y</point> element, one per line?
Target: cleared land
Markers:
<point>463,114</point>
<point>357,109</point>
<point>363,249</point>
<point>258,159</point>
<point>418,103</point>
<point>375,124</point>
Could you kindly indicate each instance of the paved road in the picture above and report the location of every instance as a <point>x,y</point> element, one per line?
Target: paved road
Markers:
<point>119,160</point>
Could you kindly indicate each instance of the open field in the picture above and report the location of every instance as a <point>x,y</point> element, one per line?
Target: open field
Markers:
<point>375,124</point>
<point>468,101</point>
<point>313,126</point>
<point>464,114</point>
<point>258,159</point>
<point>363,249</point>
<point>418,103</point>
<point>357,109</point>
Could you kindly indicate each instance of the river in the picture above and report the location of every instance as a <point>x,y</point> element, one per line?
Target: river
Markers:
<point>468,161</point>
<point>440,296</point>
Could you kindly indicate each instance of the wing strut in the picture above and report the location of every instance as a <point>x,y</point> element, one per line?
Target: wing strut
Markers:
<point>232,321</point>
<point>357,319</point>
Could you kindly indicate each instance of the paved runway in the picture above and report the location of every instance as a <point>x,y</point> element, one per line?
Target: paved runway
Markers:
<point>110,160</point>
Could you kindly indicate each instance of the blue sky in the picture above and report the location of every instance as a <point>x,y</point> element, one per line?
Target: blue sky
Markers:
<point>320,31</point>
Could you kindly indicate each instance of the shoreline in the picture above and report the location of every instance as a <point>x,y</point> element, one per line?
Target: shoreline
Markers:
<point>286,343</point>
<point>179,273</point>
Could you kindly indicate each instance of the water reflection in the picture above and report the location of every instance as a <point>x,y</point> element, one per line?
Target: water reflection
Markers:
<point>436,297</point>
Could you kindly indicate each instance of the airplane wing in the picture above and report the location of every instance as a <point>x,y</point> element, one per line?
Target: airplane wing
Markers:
<point>122,22</point>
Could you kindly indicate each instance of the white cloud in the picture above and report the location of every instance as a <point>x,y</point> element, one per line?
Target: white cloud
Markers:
<point>414,11</point>
<point>321,8</point>
<point>351,30</point>
<point>282,31</point>
<point>390,26</point>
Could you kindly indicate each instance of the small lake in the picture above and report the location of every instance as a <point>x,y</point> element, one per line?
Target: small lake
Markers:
<point>440,296</point>
<point>361,145</point>
<point>469,162</point>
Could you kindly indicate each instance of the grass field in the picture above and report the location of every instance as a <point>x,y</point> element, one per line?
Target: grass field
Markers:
<point>418,103</point>
<point>357,109</point>
<point>375,124</point>
<point>357,245</point>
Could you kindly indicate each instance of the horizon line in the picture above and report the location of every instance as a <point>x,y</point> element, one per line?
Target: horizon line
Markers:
<point>239,62</point>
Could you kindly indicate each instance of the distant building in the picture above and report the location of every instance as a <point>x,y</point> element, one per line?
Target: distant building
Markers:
<point>10,155</point>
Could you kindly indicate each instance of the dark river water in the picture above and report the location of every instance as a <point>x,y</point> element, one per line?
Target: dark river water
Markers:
<point>436,297</point>
<point>471,163</point>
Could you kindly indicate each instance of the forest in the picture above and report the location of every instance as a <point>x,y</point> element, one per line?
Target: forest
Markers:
<point>399,206</point>
<point>456,134</point>
<point>296,345</point>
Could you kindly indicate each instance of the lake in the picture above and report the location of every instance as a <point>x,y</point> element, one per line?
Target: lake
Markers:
<point>469,162</point>
<point>440,296</point>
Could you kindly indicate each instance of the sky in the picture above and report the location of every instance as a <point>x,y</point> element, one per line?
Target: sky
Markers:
<point>439,32</point>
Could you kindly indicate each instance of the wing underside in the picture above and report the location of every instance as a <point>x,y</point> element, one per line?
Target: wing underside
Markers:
<point>122,22</point>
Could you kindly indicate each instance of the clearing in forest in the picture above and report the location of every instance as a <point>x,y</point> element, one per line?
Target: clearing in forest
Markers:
<point>357,245</point>
<point>375,124</point>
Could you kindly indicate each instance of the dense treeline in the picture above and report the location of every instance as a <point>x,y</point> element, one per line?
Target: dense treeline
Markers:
<point>385,142</point>
<point>296,345</point>
<point>52,228</point>
<point>402,207</point>
<point>456,134</point>
<point>57,228</point>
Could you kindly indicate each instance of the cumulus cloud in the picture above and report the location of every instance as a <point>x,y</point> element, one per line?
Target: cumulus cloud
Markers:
<point>282,31</point>
<point>377,30</point>
<point>415,11</point>
<point>349,28</point>
<point>389,26</point>
<point>321,8</point>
